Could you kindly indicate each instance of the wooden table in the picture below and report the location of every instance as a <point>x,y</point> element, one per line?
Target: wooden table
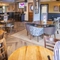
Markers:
<point>41,22</point>
<point>6,22</point>
<point>48,22</point>
<point>31,53</point>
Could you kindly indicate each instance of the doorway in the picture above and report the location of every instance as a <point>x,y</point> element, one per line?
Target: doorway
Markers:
<point>44,11</point>
<point>30,12</point>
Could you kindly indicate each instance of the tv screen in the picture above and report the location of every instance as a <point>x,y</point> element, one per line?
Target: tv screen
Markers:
<point>21,5</point>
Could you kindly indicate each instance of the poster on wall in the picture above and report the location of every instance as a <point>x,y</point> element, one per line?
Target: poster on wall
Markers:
<point>56,8</point>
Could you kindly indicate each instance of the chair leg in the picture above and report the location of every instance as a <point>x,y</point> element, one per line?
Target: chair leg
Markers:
<point>27,33</point>
<point>37,39</point>
<point>30,37</point>
<point>57,32</point>
<point>54,36</point>
<point>6,57</point>
<point>10,29</point>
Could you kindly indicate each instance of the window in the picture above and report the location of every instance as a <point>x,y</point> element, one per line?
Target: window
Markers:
<point>4,9</point>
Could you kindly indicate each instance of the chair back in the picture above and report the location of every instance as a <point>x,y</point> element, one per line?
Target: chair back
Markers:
<point>27,27</point>
<point>3,49</point>
<point>36,31</point>
<point>50,30</point>
<point>49,42</point>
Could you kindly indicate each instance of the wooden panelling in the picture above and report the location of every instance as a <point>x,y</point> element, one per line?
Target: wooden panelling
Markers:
<point>30,16</point>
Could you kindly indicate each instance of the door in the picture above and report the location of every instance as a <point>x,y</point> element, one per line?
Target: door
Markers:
<point>30,12</point>
<point>44,12</point>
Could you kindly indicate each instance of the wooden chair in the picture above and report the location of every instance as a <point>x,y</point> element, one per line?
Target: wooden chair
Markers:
<point>49,42</point>
<point>3,49</point>
<point>18,26</point>
<point>9,27</point>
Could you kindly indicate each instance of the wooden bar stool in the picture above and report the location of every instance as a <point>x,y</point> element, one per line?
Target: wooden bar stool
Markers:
<point>3,49</point>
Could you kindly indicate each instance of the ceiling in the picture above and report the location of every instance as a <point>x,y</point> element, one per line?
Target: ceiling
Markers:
<point>6,2</point>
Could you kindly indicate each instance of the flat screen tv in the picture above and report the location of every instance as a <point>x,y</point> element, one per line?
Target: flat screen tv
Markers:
<point>21,5</point>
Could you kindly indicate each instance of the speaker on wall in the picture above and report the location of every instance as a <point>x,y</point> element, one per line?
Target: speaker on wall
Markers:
<point>25,0</point>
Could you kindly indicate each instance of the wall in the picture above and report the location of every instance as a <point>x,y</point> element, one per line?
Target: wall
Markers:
<point>11,8</point>
<point>36,17</point>
<point>26,12</point>
<point>10,1</point>
<point>52,13</point>
<point>18,0</point>
<point>51,6</point>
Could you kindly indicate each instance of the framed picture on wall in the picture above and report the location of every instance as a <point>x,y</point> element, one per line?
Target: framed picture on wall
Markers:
<point>56,8</point>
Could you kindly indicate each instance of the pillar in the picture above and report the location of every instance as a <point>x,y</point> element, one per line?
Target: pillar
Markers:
<point>36,10</point>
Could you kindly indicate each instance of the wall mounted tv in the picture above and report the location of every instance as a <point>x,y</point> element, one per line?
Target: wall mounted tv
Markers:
<point>21,5</point>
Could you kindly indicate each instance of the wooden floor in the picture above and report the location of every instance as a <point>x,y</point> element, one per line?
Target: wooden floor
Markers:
<point>12,42</point>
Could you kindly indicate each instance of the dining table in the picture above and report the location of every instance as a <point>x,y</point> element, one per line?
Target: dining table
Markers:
<point>41,23</point>
<point>32,52</point>
<point>5,22</point>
